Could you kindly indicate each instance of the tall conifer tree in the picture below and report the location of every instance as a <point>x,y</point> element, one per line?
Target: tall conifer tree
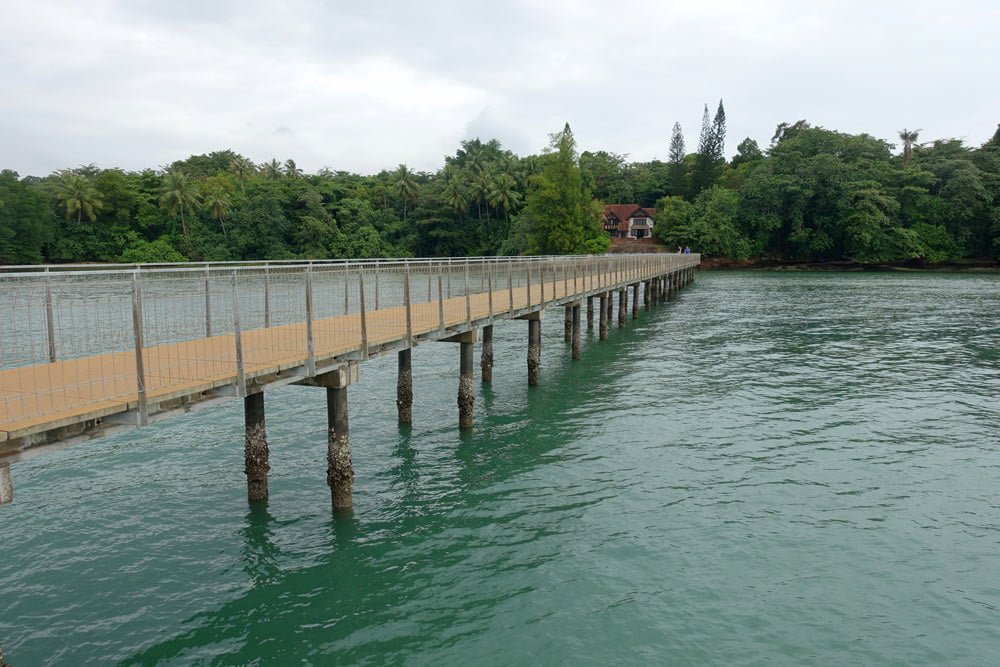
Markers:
<point>677,145</point>
<point>701,179</point>
<point>675,172</point>
<point>719,133</point>
<point>705,138</point>
<point>710,150</point>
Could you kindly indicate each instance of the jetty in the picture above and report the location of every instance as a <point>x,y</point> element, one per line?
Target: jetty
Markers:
<point>86,350</point>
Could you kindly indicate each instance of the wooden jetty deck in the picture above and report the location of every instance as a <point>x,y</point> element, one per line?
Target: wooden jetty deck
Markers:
<point>62,399</point>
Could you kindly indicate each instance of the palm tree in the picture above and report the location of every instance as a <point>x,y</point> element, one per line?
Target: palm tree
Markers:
<point>178,194</point>
<point>909,138</point>
<point>455,194</point>
<point>502,193</point>
<point>242,169</point>
<point>78,195</point>
<point>292,170</point>
<point>216,201</point>
<point>406,187</point>
<point>481,178</point>
<point>271,170</point>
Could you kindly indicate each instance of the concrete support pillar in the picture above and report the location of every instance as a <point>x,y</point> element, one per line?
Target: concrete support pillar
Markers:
<point>576,330</point>
<point>339,469</point>
<point>404,386</point>
<point>664,289</point>
<point>466,397</point>
<point>622,306</point>
<point>534,349</point>
<point>568,324</point>
<point>635,301</point>
<point>6,485</point>
<point>603,322</point>
<point>590,313</point>
<point>486,363</point>
<point>256,457</point>
<point>646,286</point>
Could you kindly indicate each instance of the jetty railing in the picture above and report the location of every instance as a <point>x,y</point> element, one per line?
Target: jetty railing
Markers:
<point>88,339</point>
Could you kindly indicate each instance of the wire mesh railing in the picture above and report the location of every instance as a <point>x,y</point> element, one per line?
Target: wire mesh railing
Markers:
<point>90,339</point>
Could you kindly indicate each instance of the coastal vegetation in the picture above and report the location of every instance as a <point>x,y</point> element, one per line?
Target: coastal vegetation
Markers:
<point>811,195</point>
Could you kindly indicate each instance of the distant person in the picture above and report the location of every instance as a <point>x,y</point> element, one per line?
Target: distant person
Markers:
<point>687,250</point>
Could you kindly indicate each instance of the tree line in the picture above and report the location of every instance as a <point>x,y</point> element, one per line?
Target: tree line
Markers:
<point>813,195</point>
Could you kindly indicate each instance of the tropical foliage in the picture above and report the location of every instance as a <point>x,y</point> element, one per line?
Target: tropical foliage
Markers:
<point>812,195</point>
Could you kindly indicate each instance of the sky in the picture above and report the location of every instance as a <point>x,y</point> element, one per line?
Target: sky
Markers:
<point>366,85</point>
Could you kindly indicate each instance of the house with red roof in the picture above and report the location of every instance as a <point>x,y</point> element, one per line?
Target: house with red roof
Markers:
<point>627,221</point>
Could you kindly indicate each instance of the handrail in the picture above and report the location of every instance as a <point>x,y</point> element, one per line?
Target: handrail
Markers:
<point>229,265</point>
<point>74,339</point>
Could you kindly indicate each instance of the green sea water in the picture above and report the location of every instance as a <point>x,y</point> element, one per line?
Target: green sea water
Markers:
<point>785,469</point>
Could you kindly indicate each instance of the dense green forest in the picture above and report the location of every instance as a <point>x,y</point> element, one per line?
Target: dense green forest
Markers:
<point>812,195</point>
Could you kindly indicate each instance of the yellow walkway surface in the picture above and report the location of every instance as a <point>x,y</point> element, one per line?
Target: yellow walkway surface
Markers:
<point>42,397</point>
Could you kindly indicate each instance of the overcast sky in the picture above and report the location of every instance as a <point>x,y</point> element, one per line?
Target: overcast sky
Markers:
<point>366,85</point>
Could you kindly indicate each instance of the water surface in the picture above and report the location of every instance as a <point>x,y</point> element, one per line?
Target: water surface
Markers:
<point>781,469</point>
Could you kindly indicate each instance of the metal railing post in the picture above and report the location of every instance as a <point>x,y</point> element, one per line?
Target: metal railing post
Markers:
<point>377,272</point>
<point>267,296</point>
<point>49,318</point>
<point>347,293</point>
<point>310,345</point>
<point>140,366</point>
<point>541,279</point>
<point>406,301</point>
<point>208,305</point>
<point>440,305</point>
<point>241,378</point>
<point>468,302</point>
<point>364,316</point>
<point>489,286</point>
<point>527,268</point>
<point>510,283</point>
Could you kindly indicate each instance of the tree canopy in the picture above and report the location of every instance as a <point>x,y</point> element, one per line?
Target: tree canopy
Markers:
<point>813,194</point>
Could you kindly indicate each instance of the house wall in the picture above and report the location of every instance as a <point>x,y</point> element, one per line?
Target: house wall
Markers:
<point>631,232</point>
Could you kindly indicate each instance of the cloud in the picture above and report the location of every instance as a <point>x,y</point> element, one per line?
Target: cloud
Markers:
<point>369,85</point>
<point>491,124</point>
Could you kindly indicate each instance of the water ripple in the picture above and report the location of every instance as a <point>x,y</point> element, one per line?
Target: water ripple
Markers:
<point>773,468</point>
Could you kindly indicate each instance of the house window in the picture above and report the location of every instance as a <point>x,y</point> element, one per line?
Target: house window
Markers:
<point>640,221</point>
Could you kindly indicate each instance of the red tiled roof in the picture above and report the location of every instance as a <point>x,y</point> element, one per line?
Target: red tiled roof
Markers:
<point>625,211</point>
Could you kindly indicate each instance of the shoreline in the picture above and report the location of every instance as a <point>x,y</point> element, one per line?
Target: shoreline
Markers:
<point>724,264</point>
